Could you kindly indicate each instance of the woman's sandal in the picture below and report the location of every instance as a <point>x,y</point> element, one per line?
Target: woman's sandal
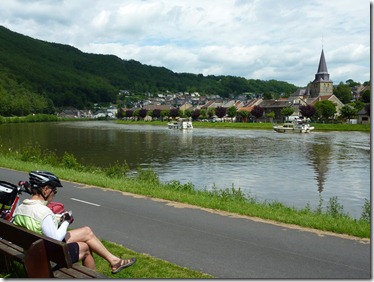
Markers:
<point>123,264</point>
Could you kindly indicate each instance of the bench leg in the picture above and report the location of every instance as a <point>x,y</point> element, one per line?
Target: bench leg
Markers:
<point>36,261</point>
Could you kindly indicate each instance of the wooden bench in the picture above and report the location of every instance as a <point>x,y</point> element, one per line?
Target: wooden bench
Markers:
<point>41,257</point>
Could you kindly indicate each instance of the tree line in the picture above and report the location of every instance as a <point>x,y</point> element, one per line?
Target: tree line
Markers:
<point>321,111</point>
<point>67,77</point>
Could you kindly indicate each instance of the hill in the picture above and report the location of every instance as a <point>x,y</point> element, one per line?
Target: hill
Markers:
<point>43,74</point>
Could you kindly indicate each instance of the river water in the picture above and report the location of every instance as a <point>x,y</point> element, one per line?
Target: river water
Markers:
<point>295,169</point>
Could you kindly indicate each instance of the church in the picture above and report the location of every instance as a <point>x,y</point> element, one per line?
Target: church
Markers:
<point>320,89</point>
<point>322,85</point>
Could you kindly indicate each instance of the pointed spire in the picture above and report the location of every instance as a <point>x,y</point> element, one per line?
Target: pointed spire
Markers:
<point>322,73</point>
<point>322,68</point>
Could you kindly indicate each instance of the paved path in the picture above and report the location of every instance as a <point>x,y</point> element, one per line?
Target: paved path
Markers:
<point>222,245</point>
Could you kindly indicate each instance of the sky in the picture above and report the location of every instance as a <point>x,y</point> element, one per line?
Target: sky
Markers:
<point>254,39</point>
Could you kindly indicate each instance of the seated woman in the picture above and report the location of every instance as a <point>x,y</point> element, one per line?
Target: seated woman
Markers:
<point>34,215</point>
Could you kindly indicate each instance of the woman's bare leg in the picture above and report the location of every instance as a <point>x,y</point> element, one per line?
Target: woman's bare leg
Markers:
<point>85,255</point>
<point>85,234</point>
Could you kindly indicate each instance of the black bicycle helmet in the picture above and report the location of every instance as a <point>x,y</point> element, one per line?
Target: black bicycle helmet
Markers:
<point>41,178</point>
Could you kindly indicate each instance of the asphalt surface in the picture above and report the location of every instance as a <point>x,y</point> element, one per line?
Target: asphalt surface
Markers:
<point>223,245</point>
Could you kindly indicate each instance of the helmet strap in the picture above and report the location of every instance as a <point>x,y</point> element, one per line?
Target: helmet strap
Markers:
<point>44,197</point>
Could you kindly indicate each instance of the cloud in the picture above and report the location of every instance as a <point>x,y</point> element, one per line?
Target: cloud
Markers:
<point>262,39</point>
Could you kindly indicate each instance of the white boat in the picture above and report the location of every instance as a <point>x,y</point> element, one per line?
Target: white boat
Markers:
<point>297,126</point>
<point>180,124</point>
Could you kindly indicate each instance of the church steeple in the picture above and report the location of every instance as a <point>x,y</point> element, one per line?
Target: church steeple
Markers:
<point>322,85</point>
<point>322,73</point>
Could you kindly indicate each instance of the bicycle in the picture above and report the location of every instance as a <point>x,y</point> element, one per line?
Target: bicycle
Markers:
<point>9,199</point>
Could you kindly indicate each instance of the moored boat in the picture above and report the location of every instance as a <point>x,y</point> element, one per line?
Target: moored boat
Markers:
<point>180,124</point>
<point>297,126</point>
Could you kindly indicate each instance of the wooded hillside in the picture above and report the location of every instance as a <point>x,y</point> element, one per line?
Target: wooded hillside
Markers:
<point>35,75</point>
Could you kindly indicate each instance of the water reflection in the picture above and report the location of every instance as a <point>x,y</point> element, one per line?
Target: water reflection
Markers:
<point>319,155</point>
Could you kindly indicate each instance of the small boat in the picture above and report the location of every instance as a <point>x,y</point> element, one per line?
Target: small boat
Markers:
<point>297,126</point>
<point>180,124</point>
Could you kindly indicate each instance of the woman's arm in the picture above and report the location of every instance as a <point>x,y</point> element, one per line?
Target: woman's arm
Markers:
<point>49,228</point>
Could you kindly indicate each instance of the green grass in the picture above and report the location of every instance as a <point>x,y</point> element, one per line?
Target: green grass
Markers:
<point>233,125</point>
<point>259,125</point>
<point>147,183</point>
<point>145,267</point>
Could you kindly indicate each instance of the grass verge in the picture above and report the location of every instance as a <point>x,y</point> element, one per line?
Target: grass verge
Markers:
<point>146,182</point>
<point>145,267</point>
<point>260,125</point>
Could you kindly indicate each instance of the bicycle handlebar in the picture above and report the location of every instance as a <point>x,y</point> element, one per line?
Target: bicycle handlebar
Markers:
<point>25,186</point>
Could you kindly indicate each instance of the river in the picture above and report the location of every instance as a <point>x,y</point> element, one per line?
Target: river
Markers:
<point>295,169</point>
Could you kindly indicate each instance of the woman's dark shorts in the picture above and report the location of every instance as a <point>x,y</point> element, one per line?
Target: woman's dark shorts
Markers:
<point>74,252</point>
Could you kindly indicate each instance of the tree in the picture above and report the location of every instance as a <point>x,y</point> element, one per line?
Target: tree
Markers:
<point>307,111</point>
<point>188,113</point>
<point>325,109</point>
<point>348,112</point>
<point>343,92</point>
<point>220,112</point>
<point>257,111</point>
<point>174,113</point>
<point>267,96</point>
<point>244,114</point>
<point>211,112</point>
<point>286,111</point>
<point>358,105</point>
<point>156,113</point>
<point>165,113</point>
<point>195,114</point>
<point>143,113</point>
<point>271,116</point>
<point>351,83</point>
<point>203,113</point>
<point>136,114</point>
<point>231,112</point>
<point>129,113</point>
<point>365,96</point>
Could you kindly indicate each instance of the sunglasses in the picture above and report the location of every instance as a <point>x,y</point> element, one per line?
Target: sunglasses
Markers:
<point>54,190</point>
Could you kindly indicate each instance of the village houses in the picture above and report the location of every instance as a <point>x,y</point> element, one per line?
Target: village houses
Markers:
<point>320,89</point>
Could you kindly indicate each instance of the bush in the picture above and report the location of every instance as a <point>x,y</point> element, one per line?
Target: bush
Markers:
<point>69,161</point>
<point>148,175</point>
<point>31,153</point>
<point>334,208</point>
<point>365,215</point>
<point>176,185</point>
<point>117,170</point>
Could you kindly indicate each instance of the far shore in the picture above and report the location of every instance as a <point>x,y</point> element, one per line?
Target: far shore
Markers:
<point>258,125</point>
<point>196,124</point>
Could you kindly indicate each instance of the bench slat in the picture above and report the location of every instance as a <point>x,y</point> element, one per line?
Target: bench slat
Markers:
<point>74,273</point>
<point>9,250</point>
<point>62,275</point>
<point>87,271</point>
<point>11,245</point>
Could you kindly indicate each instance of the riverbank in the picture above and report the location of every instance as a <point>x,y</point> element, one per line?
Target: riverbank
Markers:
<point>232,125</point>
<point>146,182</point>
<point>258,125</point>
